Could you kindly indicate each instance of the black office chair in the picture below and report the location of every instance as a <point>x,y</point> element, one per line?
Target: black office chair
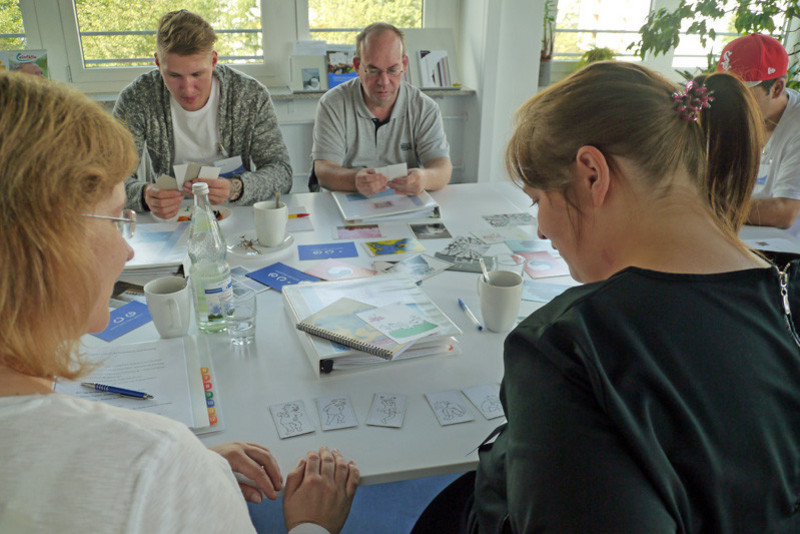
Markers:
<point>313,183</point>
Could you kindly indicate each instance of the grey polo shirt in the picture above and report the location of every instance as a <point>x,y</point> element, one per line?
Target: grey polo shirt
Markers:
<point>345,131</point>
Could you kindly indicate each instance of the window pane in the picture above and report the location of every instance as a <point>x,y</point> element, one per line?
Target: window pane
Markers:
<point>123,33</point>
<point>353,15</point>
<point>582,24</point>
<point>690,54</point>
<point>12,34</point>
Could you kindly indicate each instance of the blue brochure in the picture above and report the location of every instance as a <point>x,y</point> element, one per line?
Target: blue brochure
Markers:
<point>124,319</point>
<point>278,275</point>
<point>327,250</point>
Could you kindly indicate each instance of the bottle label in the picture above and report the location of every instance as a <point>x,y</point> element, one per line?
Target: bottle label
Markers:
<point>218,295</point>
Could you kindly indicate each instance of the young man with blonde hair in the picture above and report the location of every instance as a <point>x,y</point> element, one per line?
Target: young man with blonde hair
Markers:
<point>193,110</point>
<point>378,119</point>
<point>762,62</point>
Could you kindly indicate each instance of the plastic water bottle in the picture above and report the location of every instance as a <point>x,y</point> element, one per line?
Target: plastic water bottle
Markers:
<point>210,274</point>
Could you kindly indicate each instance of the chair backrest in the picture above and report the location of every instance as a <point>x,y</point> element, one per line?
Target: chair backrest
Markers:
<point>313,183</point>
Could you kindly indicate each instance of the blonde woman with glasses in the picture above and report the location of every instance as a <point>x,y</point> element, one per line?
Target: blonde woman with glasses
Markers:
<point>70,465</point>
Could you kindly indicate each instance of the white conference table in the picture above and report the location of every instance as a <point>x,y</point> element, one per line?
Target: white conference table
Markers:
<point>275,368</point>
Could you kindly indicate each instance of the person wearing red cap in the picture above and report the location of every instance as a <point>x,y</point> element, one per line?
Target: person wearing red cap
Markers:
<point>762,62</point>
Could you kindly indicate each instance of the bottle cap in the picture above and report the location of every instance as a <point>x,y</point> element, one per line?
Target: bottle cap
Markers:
<point>200,188</point>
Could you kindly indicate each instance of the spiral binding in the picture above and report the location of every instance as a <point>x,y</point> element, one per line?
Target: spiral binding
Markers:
<point>347,341</point>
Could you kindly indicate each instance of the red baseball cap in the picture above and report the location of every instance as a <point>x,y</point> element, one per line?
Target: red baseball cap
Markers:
<point>754,58</point>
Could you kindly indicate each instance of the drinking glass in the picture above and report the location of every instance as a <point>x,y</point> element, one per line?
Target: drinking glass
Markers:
<point>241,316</point>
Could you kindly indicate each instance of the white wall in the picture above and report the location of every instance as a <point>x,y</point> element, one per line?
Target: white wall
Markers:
<point>500,45</point>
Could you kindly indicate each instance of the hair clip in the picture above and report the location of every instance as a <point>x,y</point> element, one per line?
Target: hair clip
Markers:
<point>695,98</point>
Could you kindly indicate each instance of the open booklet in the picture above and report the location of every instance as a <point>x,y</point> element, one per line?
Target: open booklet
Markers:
<point>176,372</point>
<point>303,300</point>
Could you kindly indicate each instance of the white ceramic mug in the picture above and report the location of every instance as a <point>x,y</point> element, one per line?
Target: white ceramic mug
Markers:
<point>168,301</point>
<point>270,222</point>
<point>500,298</point>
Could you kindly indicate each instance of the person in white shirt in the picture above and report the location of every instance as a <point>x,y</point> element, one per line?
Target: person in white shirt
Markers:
<point>72,465</point>
<point>192,110</point>
<point>762,63</point>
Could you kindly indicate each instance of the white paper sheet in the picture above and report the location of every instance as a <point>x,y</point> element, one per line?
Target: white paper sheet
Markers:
<point>158,368</point>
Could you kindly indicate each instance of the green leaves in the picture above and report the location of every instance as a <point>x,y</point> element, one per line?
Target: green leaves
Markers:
<point>661,32</point>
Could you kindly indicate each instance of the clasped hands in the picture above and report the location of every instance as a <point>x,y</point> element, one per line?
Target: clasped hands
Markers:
<point>165,203</point>
<point>368,182</point>
<point>319,490</point>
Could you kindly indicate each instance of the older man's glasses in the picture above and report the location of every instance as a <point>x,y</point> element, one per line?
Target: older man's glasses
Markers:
<point>126,223</point>
<point>392,72</point>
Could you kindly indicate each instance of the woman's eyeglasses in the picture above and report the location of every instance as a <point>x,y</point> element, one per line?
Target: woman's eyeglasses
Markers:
<point>126,223</point>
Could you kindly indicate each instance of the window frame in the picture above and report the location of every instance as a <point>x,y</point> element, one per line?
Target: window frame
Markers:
<point>53,25</point>
<point>663,63</point>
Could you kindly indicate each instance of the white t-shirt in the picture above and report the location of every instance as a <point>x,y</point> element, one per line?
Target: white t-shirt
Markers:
<point>779,173</point>
<point>71,465</point>
<point>196,132</point>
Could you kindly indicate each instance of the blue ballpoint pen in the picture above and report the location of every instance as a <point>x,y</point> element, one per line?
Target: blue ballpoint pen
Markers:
<point>118,391</point>
<point>469,313</point>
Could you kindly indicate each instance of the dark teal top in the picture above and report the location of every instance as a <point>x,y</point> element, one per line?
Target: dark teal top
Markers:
<point>650,402</point>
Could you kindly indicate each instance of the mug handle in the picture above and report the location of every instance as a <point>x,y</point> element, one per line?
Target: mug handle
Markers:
<point>480,277</point>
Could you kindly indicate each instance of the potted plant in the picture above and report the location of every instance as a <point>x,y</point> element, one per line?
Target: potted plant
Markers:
<point>596,53</point>
<point>546,54</point>
<point>661,31</point>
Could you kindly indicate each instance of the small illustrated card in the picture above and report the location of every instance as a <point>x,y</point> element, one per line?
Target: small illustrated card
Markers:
<point>388,409</point>
<point>539,291</point>
<point>332,269</point>
<point>393,246</point>
<point>166,182</point>
<point>291,419</point>
<point>486,399</point>
<point>419,267</point>
<point>775,244</point>
<point>336,412</point>
<point>239,275</point>
<point>464,252</point>
<point>506,219</point>
<point>233,166</point>
<point>544,264</point>
<point>501,234</point>
<point>399,322</point>
<point>278,275</point>
<point>124,319</point>
<point>530,245</point>
<point>382,266</point>
<point>299,220</point>
<point>327,250</point>
<point>358,231</point>
<point>450,407</point>
<point>190,171</point>
<point>398,170</point>
<point>430,230</point>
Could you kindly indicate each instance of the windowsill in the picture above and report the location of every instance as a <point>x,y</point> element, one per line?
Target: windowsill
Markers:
<point>283,93</point>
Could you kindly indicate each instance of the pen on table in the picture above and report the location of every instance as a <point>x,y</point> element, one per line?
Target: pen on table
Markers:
<point>118,391</point>
<point>298,215</point>
<point>469,313</point>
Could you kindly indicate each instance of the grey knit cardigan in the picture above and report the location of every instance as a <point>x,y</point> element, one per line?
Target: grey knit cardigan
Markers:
<point>248,127</point>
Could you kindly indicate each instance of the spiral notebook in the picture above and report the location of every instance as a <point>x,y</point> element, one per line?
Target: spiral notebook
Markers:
<point>304,300</point>
<point>339,323</point>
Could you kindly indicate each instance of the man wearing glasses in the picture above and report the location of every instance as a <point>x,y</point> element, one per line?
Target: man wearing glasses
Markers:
<point>378,119</point>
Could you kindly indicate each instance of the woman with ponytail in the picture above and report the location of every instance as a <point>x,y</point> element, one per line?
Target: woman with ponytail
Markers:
<point>663,395</point>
